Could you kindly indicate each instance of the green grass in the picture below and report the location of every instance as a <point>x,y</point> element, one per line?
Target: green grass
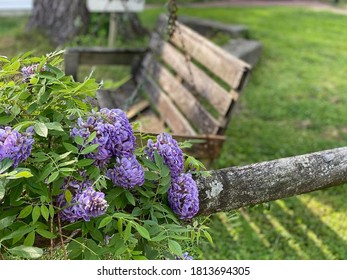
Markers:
<point>295,103</point>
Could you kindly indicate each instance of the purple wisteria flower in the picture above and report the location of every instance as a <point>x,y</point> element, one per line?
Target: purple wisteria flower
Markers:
<point>183,197</point>
<point>113,134</point>
<point>127,172</point>
<point>28,71</point>
<point>86,201</point>
<point>185,256</point>
<point>14,145</point>
<point>168,149</point>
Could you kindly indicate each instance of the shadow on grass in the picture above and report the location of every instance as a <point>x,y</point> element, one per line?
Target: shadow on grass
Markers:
<point>290,230</point>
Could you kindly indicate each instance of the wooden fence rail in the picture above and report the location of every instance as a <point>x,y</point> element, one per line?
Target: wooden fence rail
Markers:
<point>235,187</point>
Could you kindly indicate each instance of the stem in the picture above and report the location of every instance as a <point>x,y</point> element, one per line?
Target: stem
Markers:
<point>62,238</point>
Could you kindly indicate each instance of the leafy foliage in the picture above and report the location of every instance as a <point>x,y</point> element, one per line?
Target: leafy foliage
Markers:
<point>138,223</point>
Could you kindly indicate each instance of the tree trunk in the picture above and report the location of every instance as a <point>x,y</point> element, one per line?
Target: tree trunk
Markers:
<point>129,26</point>
<point>60,20</point>
<point>235,187</point>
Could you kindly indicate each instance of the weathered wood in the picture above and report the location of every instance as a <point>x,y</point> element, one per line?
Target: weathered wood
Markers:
<point>168,111</point>
<point>236,187</point>
<point>74,57</point>
<point>137,108</point>
<point>229,68</point>
<point>194,76</point>
<point>186,102</point>
<point>106,56</point>
<point>211,27</point>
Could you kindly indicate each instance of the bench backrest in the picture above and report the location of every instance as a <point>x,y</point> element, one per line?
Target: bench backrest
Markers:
<point>192,82</point>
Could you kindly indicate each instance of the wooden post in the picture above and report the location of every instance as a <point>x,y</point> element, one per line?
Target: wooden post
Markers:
<point>112,32</point>
<point>236,187</point>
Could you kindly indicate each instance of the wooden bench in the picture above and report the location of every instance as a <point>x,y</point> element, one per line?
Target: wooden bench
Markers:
<point>187,85</point>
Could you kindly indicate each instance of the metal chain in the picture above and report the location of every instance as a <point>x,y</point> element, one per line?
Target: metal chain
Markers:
<point>172,10</point>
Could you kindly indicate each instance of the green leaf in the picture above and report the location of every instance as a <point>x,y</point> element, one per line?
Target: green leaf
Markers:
<point>36,213</point>
<point>130,197</point>
<point>45,212</point>
<point>45,233</point>
<point>158,160</point>
<point>68,196</point>
<point>127,231</point>
<point>5,164</point>
<point>26,211</point>
<point>79,140</point>
<point>22,174</point>
<point>19,232</point>
<point>3,183</point>
<point>149,164</point>
<point>85,162</point>
<point>6,119</point>
<point>27,252</point>
<point>51,211</point>
<point>53,176</point>
<point>208,237</point>
<point>91,137</point>
<point>143,231</point>
<point>71,148</point>
<point>105,221</point>
<point>62,156</point>
<point>89,149</point>
<point>29,239</point>
<point>160,237</point>
<point>54,126</point>
<point>66,163</point>
<point>46,171</point>
<point>175,248</point>
<point>7,221</point>
<point>41,129</point>
<point>164,171</point>
<point>151,176</point>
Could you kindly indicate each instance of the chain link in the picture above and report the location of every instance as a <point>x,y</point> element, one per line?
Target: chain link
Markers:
<point>172,10</point>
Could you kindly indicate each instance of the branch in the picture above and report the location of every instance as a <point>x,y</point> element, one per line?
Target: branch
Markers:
<point>236,187</point>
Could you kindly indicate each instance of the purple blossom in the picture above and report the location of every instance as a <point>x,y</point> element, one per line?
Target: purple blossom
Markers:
<point>28,71</point>
<point>168,149</point>
<point>14,145</point>
<point>185,256</point>
<point>183,197</point>
<point>113,134</point>
<point>86,202</point>
<point>127,172</point>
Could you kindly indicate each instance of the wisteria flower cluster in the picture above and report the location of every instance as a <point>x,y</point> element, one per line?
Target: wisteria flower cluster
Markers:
<point>28,71</point>
<point>183,195</point>
<point>14,145</point>
<point>85,203</point>
<point>185,256</point>
<point>116,142</point>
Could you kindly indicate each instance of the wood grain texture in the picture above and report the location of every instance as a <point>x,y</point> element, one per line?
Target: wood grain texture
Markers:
<point>229,68</point>
<point>168,111</point>
<point>194,76</point>
<point>185,101</point>
<point>236,187</point>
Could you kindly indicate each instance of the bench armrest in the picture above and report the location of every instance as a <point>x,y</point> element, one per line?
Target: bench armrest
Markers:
<point>99,56</point>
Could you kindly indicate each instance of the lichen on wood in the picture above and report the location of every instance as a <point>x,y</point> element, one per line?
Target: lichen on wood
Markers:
<point>236,187</point>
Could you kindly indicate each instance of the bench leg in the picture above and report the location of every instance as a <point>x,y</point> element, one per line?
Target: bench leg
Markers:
<point>71,63</point>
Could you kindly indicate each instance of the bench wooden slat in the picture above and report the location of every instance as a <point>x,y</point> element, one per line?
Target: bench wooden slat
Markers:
<point>168,111</point>
<point>229,68</point>
<point>186,102</point>
<point>194,76</point>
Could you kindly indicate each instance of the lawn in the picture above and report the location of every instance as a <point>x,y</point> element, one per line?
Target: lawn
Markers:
<point>295,103</point>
